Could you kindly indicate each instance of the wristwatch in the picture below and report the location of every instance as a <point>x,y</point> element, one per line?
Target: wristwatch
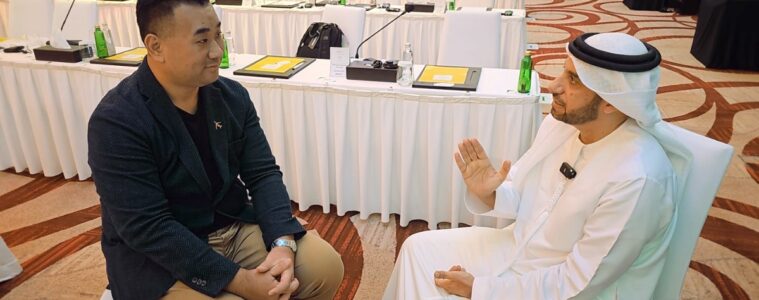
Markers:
<point>285,243</point>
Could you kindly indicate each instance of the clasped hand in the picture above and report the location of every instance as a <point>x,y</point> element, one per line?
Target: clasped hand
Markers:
<point>273,279</point>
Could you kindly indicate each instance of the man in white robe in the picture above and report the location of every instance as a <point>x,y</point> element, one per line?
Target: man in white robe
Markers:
<point>593,199</point>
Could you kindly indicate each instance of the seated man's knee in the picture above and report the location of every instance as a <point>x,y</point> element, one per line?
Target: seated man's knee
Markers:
<point>319,268</point>
<point>415,242</point>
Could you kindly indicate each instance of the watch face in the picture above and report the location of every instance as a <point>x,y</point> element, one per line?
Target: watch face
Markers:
<point>285,243</point>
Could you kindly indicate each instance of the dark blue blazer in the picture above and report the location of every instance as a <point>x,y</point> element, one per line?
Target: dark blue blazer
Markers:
<point>155,196</point>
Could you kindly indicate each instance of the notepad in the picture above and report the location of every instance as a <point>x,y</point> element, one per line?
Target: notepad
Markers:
<point>275,66</point>
<point>283,4</point>
<point>437,74</point>
<point>450,78</point>
<point>131,57</point>
<point>136,54</point>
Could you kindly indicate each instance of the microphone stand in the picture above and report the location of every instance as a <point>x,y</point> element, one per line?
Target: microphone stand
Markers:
<point>67,14</point>
<point>376,32</point>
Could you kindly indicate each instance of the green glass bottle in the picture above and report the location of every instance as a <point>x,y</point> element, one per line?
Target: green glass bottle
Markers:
<point>525,73</point>
<point>343,2</point>
<point>100,46</point>
<point>451,5</point>
<point>224,55</point>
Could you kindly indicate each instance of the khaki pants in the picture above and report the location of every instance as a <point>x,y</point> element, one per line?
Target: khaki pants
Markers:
<point>318,267</point>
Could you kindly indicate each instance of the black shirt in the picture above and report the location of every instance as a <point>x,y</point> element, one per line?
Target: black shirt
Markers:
<point>198,128</point>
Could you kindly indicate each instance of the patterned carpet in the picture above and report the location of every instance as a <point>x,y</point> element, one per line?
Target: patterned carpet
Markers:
<point>53,225</point>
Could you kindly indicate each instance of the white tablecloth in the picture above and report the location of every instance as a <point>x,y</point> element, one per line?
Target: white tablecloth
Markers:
<point>122,20</point>
<point>371,147</point>
<point>505,4</point>
<point>3,18</point>
<point>278,31</point>
<point>510,4</point>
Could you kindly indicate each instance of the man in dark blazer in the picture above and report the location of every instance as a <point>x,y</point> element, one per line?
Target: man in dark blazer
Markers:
<point>193,203</point>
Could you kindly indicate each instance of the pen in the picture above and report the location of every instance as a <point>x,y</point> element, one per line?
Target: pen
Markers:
<point>297,65</point>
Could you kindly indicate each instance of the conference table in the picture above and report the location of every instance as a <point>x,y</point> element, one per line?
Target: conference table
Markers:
<point>274,31</point>
<point>505,4</point>
<point>371,147</point>
<point>258,30</point>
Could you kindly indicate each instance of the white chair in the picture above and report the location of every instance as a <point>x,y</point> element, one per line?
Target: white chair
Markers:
<point>710,160</point>
<point>218,11</point>
<point>9,266</point>
<point>471,39</point>
<point>351,22</point>
<point>31,18</point>
<point>3,18</point>
<point>475,3</point>
<point>81,22</point>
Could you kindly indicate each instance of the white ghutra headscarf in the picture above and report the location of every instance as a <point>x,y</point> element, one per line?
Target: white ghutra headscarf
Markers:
<point>624,71</point>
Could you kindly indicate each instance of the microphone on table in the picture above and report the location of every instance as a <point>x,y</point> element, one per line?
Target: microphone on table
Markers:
<point>409,8</point>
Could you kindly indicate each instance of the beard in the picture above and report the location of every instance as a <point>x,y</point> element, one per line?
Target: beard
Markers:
<point>582,115</point>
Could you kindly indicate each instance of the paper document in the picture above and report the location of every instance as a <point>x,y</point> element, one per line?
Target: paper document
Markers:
<point>436,74</point>
<point>276,64</point>
<point>339,58</point>
<point>136,54</point>
<point>442,78</point>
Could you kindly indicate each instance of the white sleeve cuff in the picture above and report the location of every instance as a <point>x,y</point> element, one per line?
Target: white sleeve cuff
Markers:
<point>506,203</point>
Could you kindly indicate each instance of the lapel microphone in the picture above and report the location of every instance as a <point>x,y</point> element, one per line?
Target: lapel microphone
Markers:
<point>567,171</point>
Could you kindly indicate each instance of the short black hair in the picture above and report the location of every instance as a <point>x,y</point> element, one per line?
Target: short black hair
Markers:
<point>151,12</point>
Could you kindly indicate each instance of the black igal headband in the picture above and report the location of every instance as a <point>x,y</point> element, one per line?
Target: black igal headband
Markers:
<point>612,61</point>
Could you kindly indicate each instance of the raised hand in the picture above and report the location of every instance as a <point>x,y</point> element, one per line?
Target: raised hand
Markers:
<point>480,177</point>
